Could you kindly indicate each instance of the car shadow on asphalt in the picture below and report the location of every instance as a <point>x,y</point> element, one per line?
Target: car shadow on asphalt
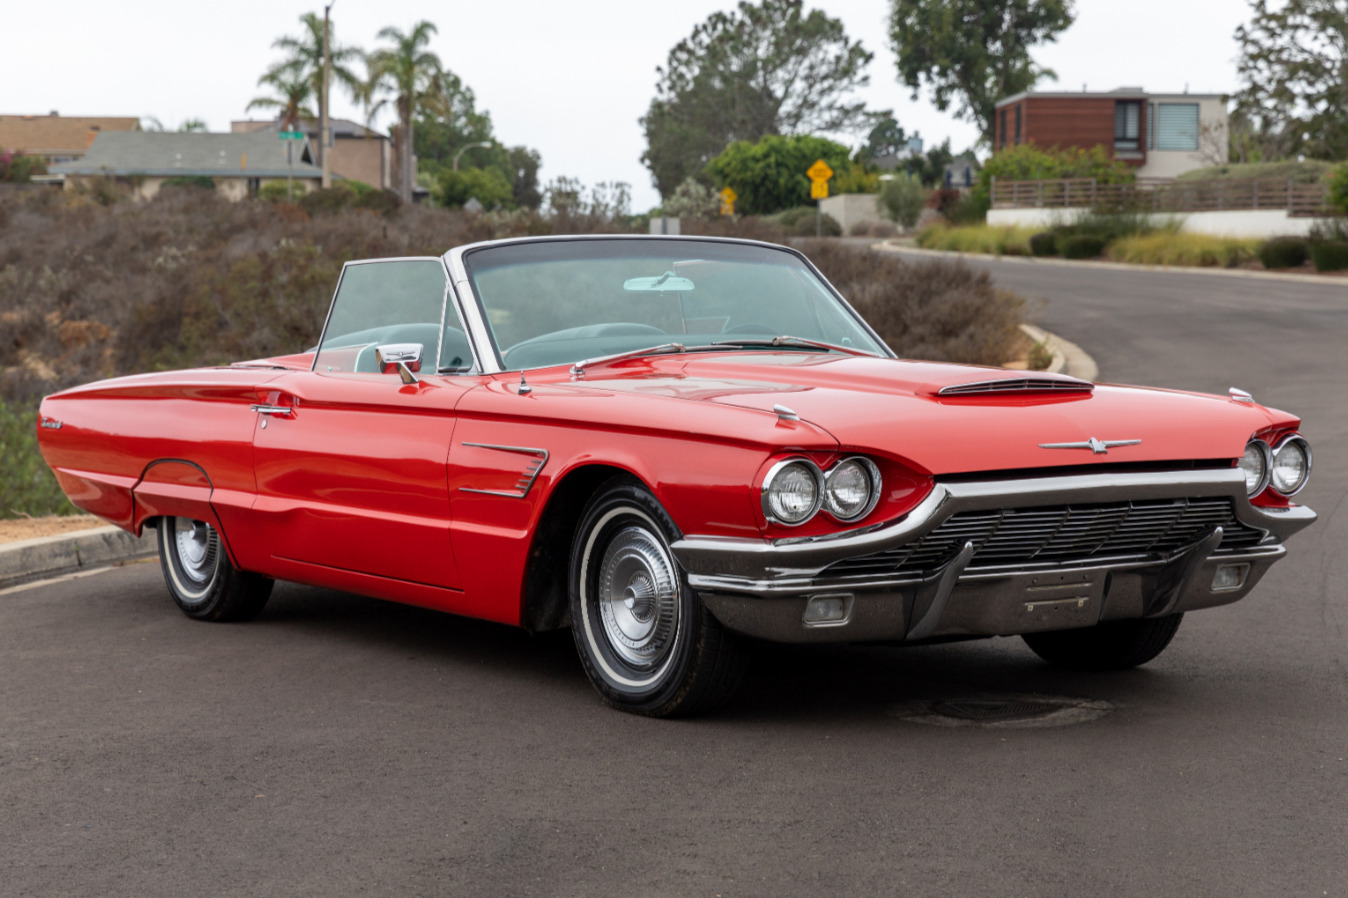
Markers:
<point>784,682</point>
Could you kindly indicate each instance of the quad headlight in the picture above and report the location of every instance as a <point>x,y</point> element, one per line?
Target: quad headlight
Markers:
<point>1291,465</point>
<point>796,489</point>
<point>792,492</point>
<point>851,488</point>
<point>1257,460</point>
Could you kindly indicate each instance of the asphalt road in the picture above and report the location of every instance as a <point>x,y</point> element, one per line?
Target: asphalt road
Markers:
<point>342,746</point>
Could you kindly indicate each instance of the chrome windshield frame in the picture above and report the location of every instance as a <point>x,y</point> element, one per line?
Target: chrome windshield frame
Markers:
<point>473,313</point>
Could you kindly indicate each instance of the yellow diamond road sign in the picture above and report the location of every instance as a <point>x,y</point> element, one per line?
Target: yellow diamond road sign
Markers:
<point>819,171</point>
<point>728,197</point>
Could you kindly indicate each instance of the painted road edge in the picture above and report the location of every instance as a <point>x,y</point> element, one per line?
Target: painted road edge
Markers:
<point>49,556</point>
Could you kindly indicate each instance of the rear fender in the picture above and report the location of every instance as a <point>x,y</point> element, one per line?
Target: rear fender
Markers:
<point>174,487</point>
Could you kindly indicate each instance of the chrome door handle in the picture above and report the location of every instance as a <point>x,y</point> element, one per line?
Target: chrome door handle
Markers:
<point>271,409</point>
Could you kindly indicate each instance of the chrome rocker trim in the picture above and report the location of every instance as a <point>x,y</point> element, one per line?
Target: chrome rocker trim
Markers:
<point>762,587</point>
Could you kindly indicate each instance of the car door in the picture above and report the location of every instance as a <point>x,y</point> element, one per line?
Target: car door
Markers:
<point>351,461</point>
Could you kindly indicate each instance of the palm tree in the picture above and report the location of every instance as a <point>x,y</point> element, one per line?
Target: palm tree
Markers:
<point>368,95</point>
<point>291,100</point>
<point>413,74</point>
<point>304,62</point>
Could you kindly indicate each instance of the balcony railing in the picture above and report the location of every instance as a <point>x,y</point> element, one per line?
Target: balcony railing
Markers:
<point>1155,195</point>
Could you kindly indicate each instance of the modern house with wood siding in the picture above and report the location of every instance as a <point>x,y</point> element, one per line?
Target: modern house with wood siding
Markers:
<point>1164,135</point>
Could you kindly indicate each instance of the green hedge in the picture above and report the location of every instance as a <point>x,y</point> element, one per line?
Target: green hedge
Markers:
<point>1330,255</point>
<point>27,485</point>
<point>1283,252</point>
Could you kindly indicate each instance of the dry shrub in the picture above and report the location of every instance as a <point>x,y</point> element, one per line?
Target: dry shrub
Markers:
<point>90,290</point>
<point>942,310</point>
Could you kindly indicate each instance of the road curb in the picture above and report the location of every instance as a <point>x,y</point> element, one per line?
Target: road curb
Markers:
<point>1068,358</point>
<point>1051,262</point>
<point>48,556</point>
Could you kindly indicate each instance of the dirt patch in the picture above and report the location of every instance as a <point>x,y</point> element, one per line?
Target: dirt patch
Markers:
<point>31,528</point>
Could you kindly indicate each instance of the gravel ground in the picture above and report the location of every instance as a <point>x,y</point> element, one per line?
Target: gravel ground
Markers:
<point>31,528</point>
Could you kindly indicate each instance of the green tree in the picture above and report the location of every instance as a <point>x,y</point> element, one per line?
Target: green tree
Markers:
<point>1026,162</point>
<point>304,62</point>
<point>765,68</point>
<point>973,52</point>
<point>887,138</point>
<point>489,186</point>
<point>412,74</point>
<point>451,122</point>
<point>769,175</point>
<point>1293,56</point>
<point>16,168</point>
<point>901,198</point>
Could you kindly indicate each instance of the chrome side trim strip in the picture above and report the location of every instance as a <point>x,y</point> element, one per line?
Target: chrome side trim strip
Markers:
<point>526,480</point>
<point>795,559</point>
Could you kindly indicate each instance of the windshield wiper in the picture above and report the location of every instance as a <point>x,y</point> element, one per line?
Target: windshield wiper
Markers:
<point>796,341</point>
<point>579,367</point>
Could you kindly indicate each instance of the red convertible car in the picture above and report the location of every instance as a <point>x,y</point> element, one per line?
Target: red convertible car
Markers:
<point>671,444</point>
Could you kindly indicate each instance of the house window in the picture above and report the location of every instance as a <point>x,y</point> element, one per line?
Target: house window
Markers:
<point>1002,135</point>
<point>1177,127</point>
<point>1018,108</point>
<point>1127,125</point>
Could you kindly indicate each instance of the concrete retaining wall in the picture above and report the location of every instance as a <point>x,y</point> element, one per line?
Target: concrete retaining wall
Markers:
<point>849,209</point>
<point>1258,223</point>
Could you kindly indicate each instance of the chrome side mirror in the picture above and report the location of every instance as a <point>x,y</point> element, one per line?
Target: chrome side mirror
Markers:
<point>404,359</point>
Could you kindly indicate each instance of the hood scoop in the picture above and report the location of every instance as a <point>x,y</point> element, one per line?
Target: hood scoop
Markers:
<point>1035,384</point>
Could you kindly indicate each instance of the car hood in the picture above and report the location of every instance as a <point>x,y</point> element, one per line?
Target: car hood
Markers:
<point>893,407</point>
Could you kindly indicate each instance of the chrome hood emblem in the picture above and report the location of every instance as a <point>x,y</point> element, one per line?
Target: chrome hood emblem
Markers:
<point>1099,447</point>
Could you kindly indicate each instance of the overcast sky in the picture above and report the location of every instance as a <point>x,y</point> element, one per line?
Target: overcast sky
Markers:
<point>567,77</point>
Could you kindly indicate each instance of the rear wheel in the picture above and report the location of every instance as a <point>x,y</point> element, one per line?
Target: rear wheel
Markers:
<point>1116,645</point>
<point>200,577</point>
<point>647,642</point>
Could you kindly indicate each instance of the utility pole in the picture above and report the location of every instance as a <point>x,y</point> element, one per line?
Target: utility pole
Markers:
<point>324,126</point>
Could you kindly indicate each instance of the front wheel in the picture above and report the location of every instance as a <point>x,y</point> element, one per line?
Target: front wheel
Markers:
<point>647,642</point>
<point>1116,645</point>
<point>201,579</point>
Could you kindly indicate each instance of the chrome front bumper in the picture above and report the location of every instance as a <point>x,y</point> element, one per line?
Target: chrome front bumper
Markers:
<point>762,587</point>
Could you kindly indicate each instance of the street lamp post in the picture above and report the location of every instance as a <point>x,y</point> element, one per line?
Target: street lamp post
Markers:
<point>462,150</point>
<point>324,126</point>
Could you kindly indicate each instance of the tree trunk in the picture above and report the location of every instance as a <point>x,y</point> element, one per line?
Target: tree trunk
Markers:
<point>408,176</point>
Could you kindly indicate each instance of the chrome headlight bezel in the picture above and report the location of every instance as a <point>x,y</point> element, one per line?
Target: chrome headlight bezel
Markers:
<point>1299,442</point>
<point>1266,457</point>
<point>872,473</point>
<point>774,473</point>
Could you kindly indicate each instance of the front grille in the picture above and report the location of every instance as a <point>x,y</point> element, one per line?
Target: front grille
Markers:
<point>1061,535</point>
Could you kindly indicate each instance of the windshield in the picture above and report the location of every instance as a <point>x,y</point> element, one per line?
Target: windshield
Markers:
<point>554,303</point>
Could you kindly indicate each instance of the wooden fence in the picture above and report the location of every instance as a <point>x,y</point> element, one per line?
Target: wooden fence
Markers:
<point>1146,195</point>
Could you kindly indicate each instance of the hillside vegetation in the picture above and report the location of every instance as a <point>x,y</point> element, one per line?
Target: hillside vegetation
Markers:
<point>89,290</point>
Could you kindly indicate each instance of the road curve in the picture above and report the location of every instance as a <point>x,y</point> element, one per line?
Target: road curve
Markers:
<point>341,745</point>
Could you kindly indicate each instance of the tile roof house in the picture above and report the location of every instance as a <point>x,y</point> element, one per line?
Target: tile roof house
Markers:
<point>358,153</point>
<point>238,163</point>
<point>58,138</point>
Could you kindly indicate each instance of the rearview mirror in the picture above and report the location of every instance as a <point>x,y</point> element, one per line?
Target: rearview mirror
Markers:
<point>665,283</point>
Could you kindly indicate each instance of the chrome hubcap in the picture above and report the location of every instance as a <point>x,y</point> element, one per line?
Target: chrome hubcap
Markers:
<point>638,597</point>
<point>197,546</point>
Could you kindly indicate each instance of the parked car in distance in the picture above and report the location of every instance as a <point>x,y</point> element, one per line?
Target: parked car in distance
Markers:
<point>671,445</point>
